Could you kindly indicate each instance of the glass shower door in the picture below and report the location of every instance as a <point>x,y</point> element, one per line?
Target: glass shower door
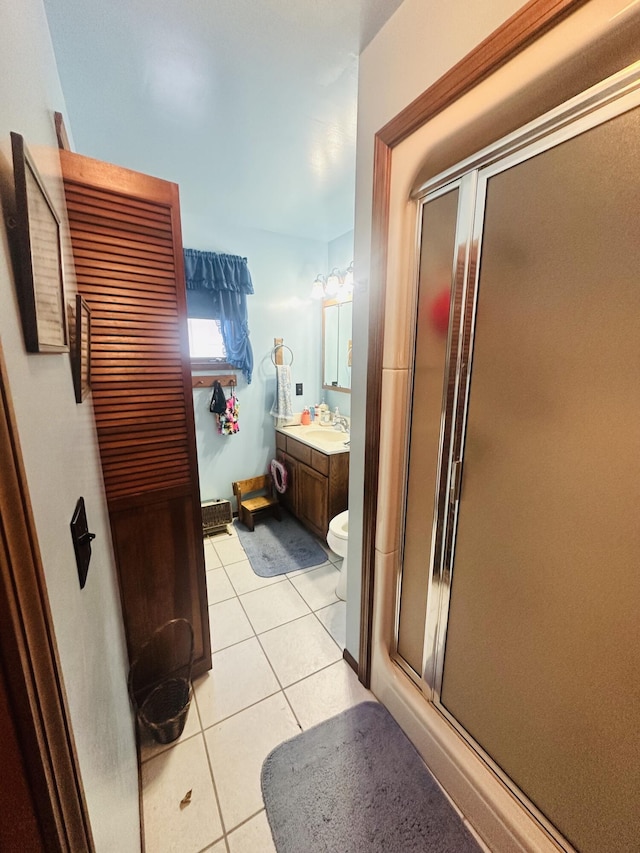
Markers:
<point>439,216</point>
<point>542,659</point>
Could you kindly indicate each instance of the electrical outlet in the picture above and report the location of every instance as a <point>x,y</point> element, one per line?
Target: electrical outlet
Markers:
<point>298,389</point>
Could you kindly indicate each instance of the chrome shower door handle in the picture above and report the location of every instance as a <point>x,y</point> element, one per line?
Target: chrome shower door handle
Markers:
<point>456,482</point>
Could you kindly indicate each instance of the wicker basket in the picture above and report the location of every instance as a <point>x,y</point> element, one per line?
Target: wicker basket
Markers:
<point>160,680</point>
<point>164,711</point>
<point>215,516</point>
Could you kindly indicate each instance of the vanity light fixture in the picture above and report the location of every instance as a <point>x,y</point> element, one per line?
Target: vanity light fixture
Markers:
<point>318,287</point>
<point>333,282</point>
<point>337,285</point>
<point>347,282</point>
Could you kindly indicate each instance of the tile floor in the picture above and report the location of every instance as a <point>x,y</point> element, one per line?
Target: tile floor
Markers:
<point>277,669</point>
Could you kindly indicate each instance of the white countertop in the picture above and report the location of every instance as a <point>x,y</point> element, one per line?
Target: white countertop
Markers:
<point>326,439</point>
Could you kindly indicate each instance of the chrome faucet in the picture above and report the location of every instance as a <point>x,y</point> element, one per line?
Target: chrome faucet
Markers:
<point>341,423</point>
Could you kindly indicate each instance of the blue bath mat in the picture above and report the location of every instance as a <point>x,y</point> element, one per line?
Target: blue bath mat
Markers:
<point>355,784</point>
<point>276,547</point>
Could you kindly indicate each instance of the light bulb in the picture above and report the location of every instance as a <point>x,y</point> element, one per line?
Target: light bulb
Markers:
<point>318,288</point>
<point>348,278</point>
<point>333,282</point>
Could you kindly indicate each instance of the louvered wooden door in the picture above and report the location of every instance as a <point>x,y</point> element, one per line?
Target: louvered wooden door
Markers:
<point>127,247</point>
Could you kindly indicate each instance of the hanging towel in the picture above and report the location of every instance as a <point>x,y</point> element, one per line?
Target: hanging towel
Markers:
<point>281,409</point>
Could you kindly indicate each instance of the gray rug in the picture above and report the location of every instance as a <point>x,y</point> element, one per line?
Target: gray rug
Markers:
<point>355,783</point>
<point>276,547</point>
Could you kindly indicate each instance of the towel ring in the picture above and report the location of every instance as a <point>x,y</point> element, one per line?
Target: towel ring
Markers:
<point>280,346</point>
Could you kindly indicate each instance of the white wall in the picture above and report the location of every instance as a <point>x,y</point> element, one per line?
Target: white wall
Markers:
<point>340,251</point>
<point>418,44</point>
<point>61,460</point>
<point>282,269</point>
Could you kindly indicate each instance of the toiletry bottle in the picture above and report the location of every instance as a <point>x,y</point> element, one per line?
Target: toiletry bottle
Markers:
<point>312,413</point>
<point>325,417</point>
<point>336,415</point>
<point>305,420</point>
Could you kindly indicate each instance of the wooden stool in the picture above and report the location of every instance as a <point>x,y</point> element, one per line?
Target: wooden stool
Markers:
<point>255,496</point>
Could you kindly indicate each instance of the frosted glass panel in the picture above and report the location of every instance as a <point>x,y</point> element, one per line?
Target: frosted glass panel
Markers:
<point>436,265</point>
<point>542,661</point>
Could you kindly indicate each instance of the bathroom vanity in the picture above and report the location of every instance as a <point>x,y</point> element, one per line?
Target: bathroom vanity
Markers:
<point>317,463</point>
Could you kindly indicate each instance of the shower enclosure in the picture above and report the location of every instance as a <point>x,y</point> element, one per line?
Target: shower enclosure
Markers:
<point>518,585</point>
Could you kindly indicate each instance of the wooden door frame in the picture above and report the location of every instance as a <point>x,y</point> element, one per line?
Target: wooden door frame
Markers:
<point>29,657</point>
<point>517,33</point>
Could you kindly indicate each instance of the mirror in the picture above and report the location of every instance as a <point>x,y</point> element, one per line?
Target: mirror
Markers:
<point>336,345</point>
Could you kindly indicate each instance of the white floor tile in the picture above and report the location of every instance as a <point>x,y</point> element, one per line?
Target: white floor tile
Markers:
<point>229,624</point>
<point>299,572</point>
<point>318,587</point>
<point>230,532</point>
<point>240,676</point>
<point>218,847</point>
<point>240,705</point>
<point>334,618</point>
<point>230,551</point>
<point>237,748</point>
<point>211,559</point>
<point>244,579</point>
<point>299,648</point>
<point>254,836</point>
<point>218,586</point>
<point>166,779</point>
<point>272,606</point>
<point>150,747</point>
<point>326,693</point>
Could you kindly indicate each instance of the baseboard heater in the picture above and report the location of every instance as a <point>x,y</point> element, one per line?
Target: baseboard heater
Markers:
<point>216,515</point>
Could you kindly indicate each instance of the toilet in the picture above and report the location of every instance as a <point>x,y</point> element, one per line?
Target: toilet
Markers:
<point>337,540</point>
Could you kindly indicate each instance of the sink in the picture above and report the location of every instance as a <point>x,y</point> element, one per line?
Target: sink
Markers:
<point>325,439</point>
<point>326,436</point>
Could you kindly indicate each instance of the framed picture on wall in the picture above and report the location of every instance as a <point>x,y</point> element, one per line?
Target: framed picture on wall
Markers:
<point>35,233</point>
<point>80,340</point>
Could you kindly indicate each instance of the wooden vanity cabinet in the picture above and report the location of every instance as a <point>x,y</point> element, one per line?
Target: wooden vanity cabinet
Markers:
<point>318,483</point>
<point>313,500</point>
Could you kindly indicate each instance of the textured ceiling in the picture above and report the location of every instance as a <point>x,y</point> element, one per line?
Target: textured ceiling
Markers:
<point>249,105</point>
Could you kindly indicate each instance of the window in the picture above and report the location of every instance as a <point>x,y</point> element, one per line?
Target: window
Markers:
<point>217,288</point>
<point>205,339</point>
<point>206,347</point>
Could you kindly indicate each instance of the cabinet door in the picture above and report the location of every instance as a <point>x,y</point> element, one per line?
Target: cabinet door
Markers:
<point>313,491</point>
<point>290,498</point>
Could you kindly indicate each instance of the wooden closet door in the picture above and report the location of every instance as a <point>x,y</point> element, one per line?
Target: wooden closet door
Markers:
<point>127,247</point>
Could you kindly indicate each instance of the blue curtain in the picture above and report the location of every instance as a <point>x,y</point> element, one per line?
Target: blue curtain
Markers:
<point>217,287</point>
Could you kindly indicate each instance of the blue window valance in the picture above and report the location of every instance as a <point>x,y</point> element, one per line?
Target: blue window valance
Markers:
<point>217,288</point>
